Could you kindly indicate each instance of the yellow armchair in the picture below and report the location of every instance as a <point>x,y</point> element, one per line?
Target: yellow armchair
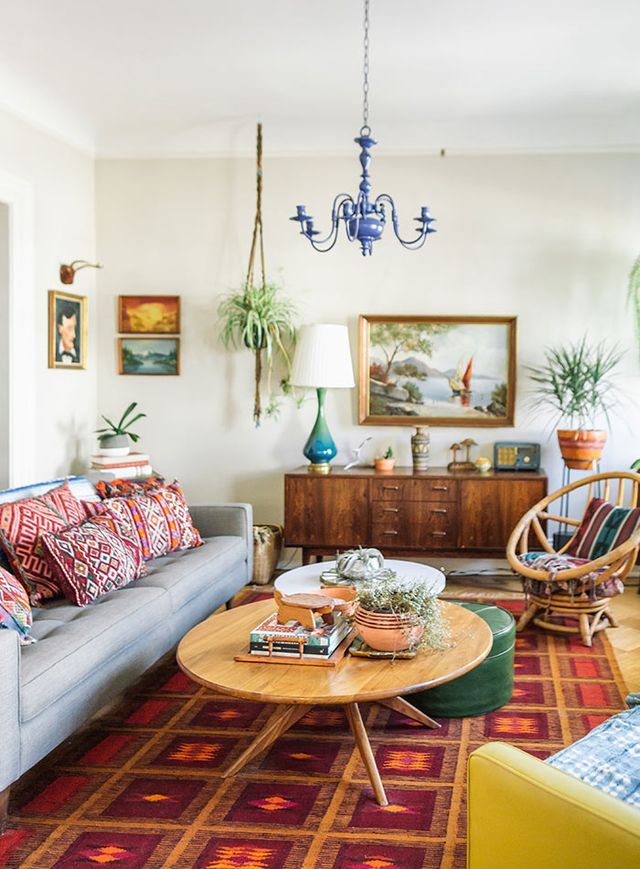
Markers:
<point>525,814</point>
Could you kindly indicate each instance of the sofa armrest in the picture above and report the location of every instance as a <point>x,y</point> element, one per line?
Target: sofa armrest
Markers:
<point>216,520</point>
<point>523,812</point>
<point>9,708</point>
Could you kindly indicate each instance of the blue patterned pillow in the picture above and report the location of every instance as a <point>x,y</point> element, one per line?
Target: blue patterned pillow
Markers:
<point>607,758</point>
<point>15,611</point>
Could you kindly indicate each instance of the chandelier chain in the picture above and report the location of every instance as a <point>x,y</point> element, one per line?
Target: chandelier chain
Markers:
<point>366,129</point>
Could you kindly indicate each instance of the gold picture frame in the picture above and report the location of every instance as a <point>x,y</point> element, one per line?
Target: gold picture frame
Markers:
<point>437,370</point>
<point>149,315</point>
<point>67,330</point>
<point>149,356</point>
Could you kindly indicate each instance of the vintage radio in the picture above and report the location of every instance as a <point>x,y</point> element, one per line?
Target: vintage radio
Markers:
<point>516,456</point>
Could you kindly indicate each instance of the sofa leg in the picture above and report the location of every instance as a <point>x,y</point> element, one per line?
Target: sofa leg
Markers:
<point>4,809</point>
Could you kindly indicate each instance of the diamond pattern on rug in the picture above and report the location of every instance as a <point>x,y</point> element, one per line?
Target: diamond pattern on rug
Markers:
<point>151,771</point>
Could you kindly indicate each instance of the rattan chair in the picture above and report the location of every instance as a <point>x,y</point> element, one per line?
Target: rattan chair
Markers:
<point>592,612</point>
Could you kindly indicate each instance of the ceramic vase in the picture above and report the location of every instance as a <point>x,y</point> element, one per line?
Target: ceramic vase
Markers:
<point>581,449</point>
<point>420,447</point>
<point>386,632</point>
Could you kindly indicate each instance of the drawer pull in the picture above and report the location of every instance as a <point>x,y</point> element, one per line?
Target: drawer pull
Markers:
<point>390,533</point>
<point>390,509</point>
<point>440,510</point>
<point>440,488</point>
<point>392,488</point>
<point>439,533</point>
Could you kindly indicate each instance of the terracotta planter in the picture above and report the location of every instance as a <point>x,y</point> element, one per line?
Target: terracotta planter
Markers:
<point>581,449</point>
<point>386,632</point>
<point>345,594</point>
<point>385,464</point>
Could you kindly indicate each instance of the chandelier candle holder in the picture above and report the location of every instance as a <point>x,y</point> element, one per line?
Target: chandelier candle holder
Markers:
<point>364,218</point>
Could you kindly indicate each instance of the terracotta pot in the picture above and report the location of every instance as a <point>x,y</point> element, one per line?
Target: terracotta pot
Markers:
<point>581,449</point>
<point>385,464</point>
<point>386,632</point>
<point>346,594</point>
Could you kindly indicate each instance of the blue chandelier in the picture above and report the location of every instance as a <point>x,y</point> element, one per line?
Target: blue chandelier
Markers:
<point>364,218</point>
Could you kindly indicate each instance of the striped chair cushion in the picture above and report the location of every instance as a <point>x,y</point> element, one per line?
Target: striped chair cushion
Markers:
<point>603,527</point>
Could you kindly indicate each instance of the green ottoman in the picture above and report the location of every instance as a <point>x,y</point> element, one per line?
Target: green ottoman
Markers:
<point>485,688</point>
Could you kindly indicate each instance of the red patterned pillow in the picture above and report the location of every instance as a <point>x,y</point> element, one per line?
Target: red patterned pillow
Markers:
<point>93,558</point>
<point>21,525</point>
<point>127,488</point>
<point>15,612</point>
<point>161,519</point>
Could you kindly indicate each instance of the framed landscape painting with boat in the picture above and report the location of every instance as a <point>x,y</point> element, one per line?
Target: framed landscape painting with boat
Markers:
<point>447,371</point>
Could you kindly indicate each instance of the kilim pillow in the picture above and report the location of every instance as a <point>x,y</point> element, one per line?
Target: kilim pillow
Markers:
<point>126,488</point>
<point>603,527</point>
<point>21,525</point>
<point>15,612</point>
<point>161,518</point>
<point>93,558</point>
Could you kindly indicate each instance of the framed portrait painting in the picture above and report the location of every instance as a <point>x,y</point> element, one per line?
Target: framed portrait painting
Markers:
<point>149,315</point>
<point>443,371</point>
<point>157,356</point>
<point>67,330</point>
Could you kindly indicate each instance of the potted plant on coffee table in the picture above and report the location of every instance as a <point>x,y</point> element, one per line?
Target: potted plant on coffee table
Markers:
<point>114,437</point>
<point>575,383</point>
<point>393,614</point>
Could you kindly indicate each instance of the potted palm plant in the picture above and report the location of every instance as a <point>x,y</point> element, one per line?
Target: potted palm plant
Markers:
<point>114,437</point>
<point>393,614</point>
<point>575,383</point>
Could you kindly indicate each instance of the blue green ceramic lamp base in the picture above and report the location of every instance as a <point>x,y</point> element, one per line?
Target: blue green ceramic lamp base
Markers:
<point>320,447</point>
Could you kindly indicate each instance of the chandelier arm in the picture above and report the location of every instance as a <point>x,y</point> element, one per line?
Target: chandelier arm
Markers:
<point>411,244</point>
<point>338,202</point>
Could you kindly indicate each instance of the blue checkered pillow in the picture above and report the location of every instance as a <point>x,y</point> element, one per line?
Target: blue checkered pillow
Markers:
<point>607,758</point>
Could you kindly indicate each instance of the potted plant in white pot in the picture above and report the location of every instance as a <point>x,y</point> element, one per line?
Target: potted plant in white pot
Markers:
<point>575,383</point>
<point>114,437</point>
<point>394,614</point>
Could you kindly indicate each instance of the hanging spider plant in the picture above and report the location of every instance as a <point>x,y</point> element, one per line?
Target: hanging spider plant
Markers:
<point>258,317</point>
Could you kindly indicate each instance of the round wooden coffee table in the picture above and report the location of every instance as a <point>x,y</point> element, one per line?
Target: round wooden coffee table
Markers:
<point>206,655</point>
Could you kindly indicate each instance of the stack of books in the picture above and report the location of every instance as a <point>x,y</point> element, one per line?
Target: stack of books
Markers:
<point>121,467</point>
<point>294,641</point>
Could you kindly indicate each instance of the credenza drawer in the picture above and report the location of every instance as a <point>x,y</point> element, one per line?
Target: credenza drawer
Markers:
<point>416,524</point>
<point>431,489</point>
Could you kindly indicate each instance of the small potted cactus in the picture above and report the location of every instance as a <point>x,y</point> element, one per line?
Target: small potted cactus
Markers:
<point>386,462</point>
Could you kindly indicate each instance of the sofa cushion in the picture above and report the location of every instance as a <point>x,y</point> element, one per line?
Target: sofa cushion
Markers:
<point>15,612</point>
<point>186,574</point>
<point>21,525</point>
<point>74,642</point>
<point>126,488</point>
<point>603,527</point>
<point>608,757</point>
<point>161,519</point>
<point>93,558</point>
<point>80,487</point>
<point>587,587</point>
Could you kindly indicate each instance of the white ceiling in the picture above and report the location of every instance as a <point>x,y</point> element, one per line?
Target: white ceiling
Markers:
<point>154,77</point>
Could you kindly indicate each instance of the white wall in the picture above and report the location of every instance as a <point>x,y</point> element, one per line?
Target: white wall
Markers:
<point>62,180</point>
<point>548,238</point>
<point>4,346</point>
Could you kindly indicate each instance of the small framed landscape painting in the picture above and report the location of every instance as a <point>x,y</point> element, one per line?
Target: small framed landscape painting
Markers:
<point>149,356</point>
<point>149,315</point>
<point>445,371</point>
<point>67,330</point>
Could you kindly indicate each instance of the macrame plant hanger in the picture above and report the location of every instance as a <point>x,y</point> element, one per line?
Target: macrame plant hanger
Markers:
<point>257,240</point>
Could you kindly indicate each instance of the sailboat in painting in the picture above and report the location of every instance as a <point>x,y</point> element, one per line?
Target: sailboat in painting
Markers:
<point>460,383</point>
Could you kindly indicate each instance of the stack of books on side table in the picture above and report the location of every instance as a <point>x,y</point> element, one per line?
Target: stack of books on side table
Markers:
<point>291,640</point>
<point>120,467</point>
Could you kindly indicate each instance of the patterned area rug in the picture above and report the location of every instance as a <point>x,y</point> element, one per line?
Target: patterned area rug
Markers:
<point>142,786</point>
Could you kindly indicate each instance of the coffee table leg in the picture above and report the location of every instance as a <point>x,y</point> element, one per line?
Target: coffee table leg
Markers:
<point>281,720</point>
<point>409,711</point>
<point>364,747</point>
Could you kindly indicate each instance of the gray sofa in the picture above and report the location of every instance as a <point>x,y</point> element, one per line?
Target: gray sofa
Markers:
<point>86,657</point>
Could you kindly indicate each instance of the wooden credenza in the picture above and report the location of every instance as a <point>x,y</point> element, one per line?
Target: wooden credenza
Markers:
<point>405,514</point>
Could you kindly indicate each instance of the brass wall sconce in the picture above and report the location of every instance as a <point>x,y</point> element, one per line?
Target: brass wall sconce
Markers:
<point>68,272</point>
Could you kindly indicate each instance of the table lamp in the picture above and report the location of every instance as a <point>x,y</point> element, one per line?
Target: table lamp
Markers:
<point>322,361</point>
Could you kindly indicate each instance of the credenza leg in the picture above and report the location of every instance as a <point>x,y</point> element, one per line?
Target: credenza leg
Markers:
<point>364,747</point>
<point>281,720</point>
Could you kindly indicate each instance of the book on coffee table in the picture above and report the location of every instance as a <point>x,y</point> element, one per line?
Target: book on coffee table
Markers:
<point>292,640</point>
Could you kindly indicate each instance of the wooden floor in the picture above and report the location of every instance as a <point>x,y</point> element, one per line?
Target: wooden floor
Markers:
<point>626,607</point>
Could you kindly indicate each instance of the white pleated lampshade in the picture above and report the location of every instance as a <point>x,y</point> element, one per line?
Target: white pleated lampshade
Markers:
<point>323,357</point>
